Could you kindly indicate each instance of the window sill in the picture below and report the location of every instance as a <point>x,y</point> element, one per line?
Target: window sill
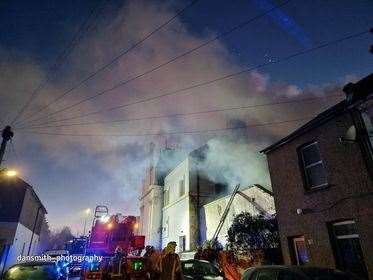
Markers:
<point>321,188</point>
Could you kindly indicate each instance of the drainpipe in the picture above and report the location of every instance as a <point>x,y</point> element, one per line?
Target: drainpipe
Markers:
<point>33,231</point>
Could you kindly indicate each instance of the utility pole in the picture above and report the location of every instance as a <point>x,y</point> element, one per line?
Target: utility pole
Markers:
<point>7,134</point>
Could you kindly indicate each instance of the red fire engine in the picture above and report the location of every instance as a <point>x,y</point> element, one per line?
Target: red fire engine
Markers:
<point>113,239</point>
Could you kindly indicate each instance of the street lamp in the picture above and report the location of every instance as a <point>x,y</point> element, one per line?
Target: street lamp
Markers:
<point>8,172</point>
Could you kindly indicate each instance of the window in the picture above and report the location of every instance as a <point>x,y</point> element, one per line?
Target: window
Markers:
<point>181,187</point>
<point>347,249</point>
<point>313,167</point>
<point>166,199</point>
<point>269,274</point>
<point>182,243</point>
<point>299,251</point>
<point>286,275</point>
<point>151,171</point>
<point>166,227</point>
<point>220,189</point>
<point>368,121</point>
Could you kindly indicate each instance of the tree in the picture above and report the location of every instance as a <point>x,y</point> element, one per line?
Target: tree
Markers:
<point>249,233</point>
<point>59,238</point>
<point>50,240</point>
<point>45,237</point>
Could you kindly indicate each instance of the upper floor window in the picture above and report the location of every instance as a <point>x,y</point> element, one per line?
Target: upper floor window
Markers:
<point>166,227</point>
<point>313,167</point>
<point>166,198</point>
<point>368,121</point>
<point>181,187</point>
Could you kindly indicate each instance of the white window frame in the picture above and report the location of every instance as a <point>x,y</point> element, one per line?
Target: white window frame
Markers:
<point>295,248</point>
<point>347,236</point>
<point>305,167</point>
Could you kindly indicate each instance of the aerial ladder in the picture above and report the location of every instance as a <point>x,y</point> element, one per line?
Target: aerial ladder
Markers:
<point>236,191</point>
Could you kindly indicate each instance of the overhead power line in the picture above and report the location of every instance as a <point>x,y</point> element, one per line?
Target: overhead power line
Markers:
<point>61,58</point>
<point>212,81</point>
<point>115,59</point>
<point>159,66</point>
<point>166,133</point>
<point>186,114</point>
<point>15,153</point>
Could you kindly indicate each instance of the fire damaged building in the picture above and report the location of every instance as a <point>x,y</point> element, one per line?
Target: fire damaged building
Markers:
<point>173,193</point>
<point>181,202</point>
<point>22,216</point>
<point>322,180</point>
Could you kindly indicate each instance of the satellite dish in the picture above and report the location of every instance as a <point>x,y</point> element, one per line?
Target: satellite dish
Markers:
<point>350,136</point>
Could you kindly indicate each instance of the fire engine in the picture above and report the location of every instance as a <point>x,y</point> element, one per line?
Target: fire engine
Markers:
<point>76,248</point>
<point>113,238</point>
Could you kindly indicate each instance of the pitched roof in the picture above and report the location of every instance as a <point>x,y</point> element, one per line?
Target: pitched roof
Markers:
<point>321,118</point>
<point>355,92</point>
<point>28,186</point>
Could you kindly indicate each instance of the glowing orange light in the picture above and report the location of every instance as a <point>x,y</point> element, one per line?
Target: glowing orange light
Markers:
<point>109,225</point>
<point>136,226</point>
<point>10,173</point>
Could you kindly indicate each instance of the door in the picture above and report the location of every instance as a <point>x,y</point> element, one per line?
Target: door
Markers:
<point>299,251</point>
<point>347,249</point>
<point>182,241</point>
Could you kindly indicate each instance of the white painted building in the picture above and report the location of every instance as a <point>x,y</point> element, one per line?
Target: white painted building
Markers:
<point>151,200</point>
<point>186,189</point>
<point>22,216</point>
<point>176,207</point>
<point>259,201</point>
<point>151,215</point>
<point>183,204</point>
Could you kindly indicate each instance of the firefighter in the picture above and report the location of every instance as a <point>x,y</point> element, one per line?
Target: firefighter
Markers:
<point>228,264</point>
<point>199,253</point>
<point>152,258</point>
<point>170,265</point>
<point>117,260</point>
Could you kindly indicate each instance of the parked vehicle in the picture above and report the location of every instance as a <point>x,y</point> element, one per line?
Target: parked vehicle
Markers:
<point>76,248</point>
<point>54,254</point>
<point>200,270</point>
<point>35,271</point>
<point>279,272</point>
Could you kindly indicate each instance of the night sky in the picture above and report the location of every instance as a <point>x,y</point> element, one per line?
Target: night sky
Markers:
<point>73,173</point>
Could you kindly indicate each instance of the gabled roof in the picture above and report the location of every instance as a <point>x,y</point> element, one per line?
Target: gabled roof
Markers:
<point>355,92</point>
<point>28,186</point>
<point>321,118</point>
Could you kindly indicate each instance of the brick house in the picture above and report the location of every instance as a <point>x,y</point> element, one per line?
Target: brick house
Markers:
<point>322,180</point>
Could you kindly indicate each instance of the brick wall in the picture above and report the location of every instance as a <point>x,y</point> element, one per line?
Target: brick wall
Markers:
<point>347,175</point>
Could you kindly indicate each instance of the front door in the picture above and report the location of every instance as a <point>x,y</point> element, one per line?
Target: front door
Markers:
<point>182,243</point>
<point>299,251</point>
<point>347,248</point>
